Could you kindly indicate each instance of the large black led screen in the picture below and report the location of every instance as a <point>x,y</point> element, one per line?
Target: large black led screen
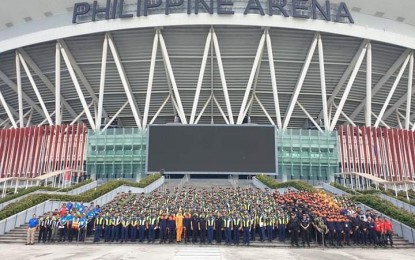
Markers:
<point>211,148</point>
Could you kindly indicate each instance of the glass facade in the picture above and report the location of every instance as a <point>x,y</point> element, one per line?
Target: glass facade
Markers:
<point>308,155</point>
<point>117,153</point>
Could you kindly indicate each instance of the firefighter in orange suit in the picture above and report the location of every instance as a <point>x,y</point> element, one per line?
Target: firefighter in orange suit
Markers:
<point>179,226</point>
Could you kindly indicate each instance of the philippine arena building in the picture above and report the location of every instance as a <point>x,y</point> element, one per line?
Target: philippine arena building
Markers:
<point>300,89</point>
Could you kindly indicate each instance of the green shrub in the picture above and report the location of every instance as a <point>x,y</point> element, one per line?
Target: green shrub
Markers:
<point>80,184</point>
<point>24,191</point>
<point>273,184</point>
<point>87,196</point>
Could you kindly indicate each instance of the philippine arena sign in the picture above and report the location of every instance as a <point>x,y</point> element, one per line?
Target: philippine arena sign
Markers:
<point>305,9</point>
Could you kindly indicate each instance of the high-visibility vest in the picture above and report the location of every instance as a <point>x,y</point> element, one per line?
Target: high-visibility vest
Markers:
<point>142,222</point>
<point>246,222</point>
<point>211,221</point>
<point>99,221</point>
<point>236,222</point>
<point>227,222</point>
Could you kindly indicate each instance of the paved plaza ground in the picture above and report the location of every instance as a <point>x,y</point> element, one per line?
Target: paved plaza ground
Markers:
<point>181,252</point>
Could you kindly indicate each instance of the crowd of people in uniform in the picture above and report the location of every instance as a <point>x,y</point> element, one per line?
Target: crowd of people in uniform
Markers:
<point>220,216</point>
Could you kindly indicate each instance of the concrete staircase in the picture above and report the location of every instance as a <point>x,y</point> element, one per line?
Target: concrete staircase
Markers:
<point>18,236</point>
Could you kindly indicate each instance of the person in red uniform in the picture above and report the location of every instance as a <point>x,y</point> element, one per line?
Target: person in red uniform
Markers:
<point>388,232</point>
<point>378,231</point>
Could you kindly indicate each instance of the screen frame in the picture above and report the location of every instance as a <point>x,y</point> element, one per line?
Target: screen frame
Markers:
<point>210,172</point>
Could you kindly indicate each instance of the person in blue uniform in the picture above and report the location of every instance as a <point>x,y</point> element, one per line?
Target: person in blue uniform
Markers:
<point>332,229</point>
<point>83,222</point>
<point>194,226</point>
<point>347,230</point>
<point>142,226</point>
<point>98,226</point>
<point>210,227</point>
<point>163,227</point>
<point>339,231</point>
<point>246,225</point>
<point>125,225</point>
<point>202,228</point>
<point>236,228</point>
<point>227,224</point>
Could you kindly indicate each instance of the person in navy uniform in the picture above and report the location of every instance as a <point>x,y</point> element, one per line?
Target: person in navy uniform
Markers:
<point>152,224</point>
<point>108,228</point>
<point>210,227</point>
<point>371,231</point>
<point>133,228</point>
<point>125,224</point>
<point>227,223</point>
<point>339,231</point>
<point>163,227</point>
<point>237,226</point>
<point>202,228</point>
<point>305,230</point>
<point>42,229</point>
<point>142,226</point>
<point>219,228</point>
<point>363,225</point>
<point>171,224</point>
<point>194,226</point>
<point>332,230</point>
<point>246,225</point>
<point>293,229</point>
<point>116,226</point>
<point>347,230</point>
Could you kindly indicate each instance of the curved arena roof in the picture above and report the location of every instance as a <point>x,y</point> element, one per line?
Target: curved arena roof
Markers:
<point>238,79</point>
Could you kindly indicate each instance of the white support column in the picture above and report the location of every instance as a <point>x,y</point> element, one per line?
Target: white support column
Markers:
<point>222,77</point>
<point>150,78</point>
<point>273,80</point>
<point>44,121</point>
<point>6,107</point>
<point>265,111</point>
<point>399,120</point>
<point>409,94</point>
<point>172,79</point>
<point>382,81</point>
<point>221,111</point>
<point>392,90</point>
<point>323,83</point>
<point>203,109</point>
<point>78,87</point>
<point>39,97</point>
<point>80,115</point>
<point>98,117</point>
<point>348,88</point>
<point>368,114</point>
<point>124,81</point>
<point>18,122</point>
<point>381,121</point>
<point>201,76</point>
<point>300,82</point>
<point>345,116</point>
<point>251,78</point>
<point>19,89</point>
<point>310,117</point>
<point>114,117</point>
<point>45,80</point>
<point>29,121</point>
<point>58,118</point>
<point>160,109</point>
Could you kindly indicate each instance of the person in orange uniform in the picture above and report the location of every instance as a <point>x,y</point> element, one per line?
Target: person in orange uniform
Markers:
<point>179,226</point>
<point>388,232</point>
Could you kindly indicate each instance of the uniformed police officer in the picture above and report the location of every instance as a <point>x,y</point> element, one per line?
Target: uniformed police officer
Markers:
<point>305,230</point>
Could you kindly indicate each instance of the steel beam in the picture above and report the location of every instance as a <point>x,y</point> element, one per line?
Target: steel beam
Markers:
<point>382,81</point>
<point>264,110</point>
<point>368,114</point>
<point>347,90</point>
<point>220,110</point>
<point>160,109</point>
<point>300,81</point>
<point>6,107</point>
<point>77,86</point>
<point>392,90</point>
<point>34,86</point>
<point>150,78</point>
<point>203,109</point>
<point>172,79</point>
<point>98,117</point>
<point>124,81</point>
<point>201,76</point>
<point>19,90</point>
<point>45,79</point>
<point>115,116</point>
<point>76,119</point>
<point>58,107</point>
<point>323,83</point>
<point>81,75</point>
<point>410,91</point>
<point>273,81</point>
<point>254,71</point>
<point>310,117</point>
<point>222,78</point>
<point>345,75</point>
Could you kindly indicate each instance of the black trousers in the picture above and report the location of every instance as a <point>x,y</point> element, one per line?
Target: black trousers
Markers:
<point>305,236</point>
<point>203,235</point>
<point>194,235</point>
<point>42,234</point>
<point>48,234</point>
<point>294,237</point>
<point>218,235</point>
